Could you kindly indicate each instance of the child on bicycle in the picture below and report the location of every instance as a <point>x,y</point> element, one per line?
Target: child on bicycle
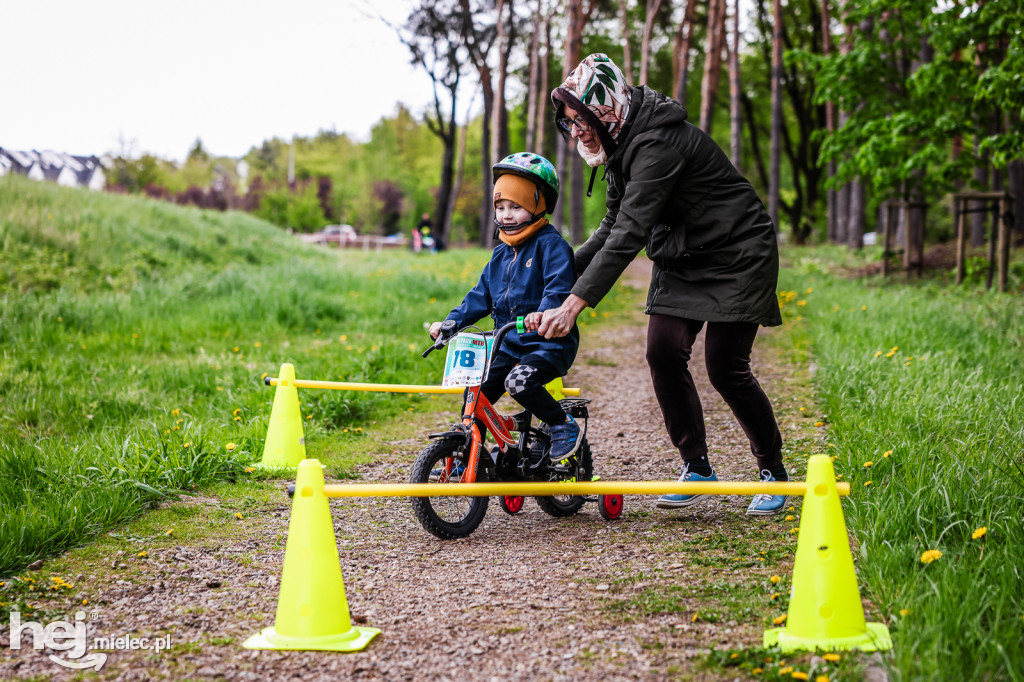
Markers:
<point>530,271</point>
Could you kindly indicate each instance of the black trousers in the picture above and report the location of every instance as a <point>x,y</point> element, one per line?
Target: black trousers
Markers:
<point>727,358</point>
<point>525,379</point>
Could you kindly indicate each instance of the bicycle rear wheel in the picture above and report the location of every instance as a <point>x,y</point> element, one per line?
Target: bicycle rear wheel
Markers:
<point>446,517</point>
<point>567,505</point>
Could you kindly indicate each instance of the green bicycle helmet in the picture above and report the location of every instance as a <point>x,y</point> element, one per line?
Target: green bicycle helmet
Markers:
<point>533,167</point>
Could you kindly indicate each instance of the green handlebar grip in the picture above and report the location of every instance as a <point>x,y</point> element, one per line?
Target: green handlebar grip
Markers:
<point>521,324</point>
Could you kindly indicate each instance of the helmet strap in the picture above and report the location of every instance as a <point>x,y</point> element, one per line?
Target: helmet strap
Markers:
<point>528,231</point>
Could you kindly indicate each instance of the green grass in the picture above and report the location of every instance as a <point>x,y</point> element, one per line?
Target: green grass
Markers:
<point>134,336</point>
<point>922,388</point>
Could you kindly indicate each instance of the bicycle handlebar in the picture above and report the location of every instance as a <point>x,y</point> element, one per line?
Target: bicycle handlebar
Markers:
<point>448,332</point>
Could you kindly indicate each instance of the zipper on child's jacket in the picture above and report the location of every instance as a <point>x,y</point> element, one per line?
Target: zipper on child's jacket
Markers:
<point>508,278</point>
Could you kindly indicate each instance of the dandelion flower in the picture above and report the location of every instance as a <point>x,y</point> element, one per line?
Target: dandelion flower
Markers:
<point>238,419</point>
<point>886,453</point>
<point>809,290</point>
<point>236,411</point>
<point>877,353</point>
<point>170,531</point>
<point>412,346</point>
<point>236,349</point>
<point>819,423</point>
<point>863,307</point>
<point>867,483</point>
<point>774,596</point>
<point>791,518</point>
<point>695,617</point>
<point>85,602</point>
<point>142,554</point>
<point>230,446</point>
<point>734,656</point>
<point>867,465</point>
<point>832,658</point>
<point>979,532</point>
<point>238,515</point>
<point>757,671</point>
<point>249,470</point>
<point>257,344</point>
<point>794,531</point>
<point>801,302</point>
<point>930,555</point>
<point>775,580</point>
<point>799,675</point>
<point>343,337</point>
<point>905,612</point>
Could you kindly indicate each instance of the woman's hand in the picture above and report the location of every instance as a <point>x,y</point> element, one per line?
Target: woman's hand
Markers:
<point>532,321</point>
<point>558,322</point>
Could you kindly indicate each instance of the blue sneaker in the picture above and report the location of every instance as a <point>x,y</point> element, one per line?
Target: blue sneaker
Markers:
<point>565,440</point>
<point>457,470</point>
<point>674,501</point>
<point>767,505</point>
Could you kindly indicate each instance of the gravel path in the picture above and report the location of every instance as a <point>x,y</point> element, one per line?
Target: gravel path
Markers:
<point>525,598</point>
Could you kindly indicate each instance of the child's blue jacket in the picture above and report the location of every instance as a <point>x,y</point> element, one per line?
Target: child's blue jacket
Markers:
<point>536,276</point>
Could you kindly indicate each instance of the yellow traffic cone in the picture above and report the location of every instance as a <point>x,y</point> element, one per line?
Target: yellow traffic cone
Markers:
<point>285,445</point>
<point>825,611</point>
<point>312,614</point>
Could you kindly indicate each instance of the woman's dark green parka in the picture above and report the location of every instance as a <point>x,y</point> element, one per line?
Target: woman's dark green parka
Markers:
<point>673,191</point>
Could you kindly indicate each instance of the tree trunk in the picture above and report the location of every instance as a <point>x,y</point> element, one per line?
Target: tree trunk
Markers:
<point>712,63</point>
<point>498,111</point>
<point>545,86</point>
<point>578,14</point>
<point>681,51</point>
<point>981,178</point>
<point>855,225</point>
<point>487,202</point>
<point>774,189</point>
<point>627,55</point>
<point>645,45</point>
<point>532,94</point>
<point>446,229</point>
<point>830,123</point>
<point>734,89</point>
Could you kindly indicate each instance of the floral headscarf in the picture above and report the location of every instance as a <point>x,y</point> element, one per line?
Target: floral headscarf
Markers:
<point>599,92</point>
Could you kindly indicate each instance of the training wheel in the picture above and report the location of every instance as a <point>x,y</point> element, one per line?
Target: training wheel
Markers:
<point>511,504</point>
<point>610,506</point>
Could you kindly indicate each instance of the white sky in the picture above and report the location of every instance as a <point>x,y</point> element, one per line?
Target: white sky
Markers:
<point>77,75</point>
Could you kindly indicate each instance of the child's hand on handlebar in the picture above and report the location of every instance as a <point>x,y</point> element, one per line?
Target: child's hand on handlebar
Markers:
<point>532,321</point>
<point>435,329</point>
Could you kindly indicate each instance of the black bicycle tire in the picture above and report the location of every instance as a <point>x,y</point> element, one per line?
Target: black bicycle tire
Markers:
<point>424,509</point>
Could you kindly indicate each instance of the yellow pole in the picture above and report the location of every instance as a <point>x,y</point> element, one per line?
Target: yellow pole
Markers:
<point>591,488</point>
<point>385,388</point>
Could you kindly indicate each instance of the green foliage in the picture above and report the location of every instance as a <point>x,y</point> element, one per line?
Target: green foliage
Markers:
<point>903,121</point>
<point>921,387</point>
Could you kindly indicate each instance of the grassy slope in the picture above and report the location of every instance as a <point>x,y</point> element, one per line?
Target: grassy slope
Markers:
<point>134,334</point>
<point>922,390</point>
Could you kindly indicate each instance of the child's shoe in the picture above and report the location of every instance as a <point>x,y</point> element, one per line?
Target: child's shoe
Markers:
<point>674,501</point>
<point>565,439</point>
<point>767,505</point>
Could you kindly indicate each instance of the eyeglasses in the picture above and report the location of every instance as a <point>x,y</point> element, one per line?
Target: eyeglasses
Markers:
<point>566,124</point>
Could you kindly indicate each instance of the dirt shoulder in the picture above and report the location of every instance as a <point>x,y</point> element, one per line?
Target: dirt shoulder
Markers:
<point>528,597</point>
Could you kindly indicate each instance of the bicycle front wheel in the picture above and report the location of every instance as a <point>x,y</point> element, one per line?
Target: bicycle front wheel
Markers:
<point>445,461</point>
